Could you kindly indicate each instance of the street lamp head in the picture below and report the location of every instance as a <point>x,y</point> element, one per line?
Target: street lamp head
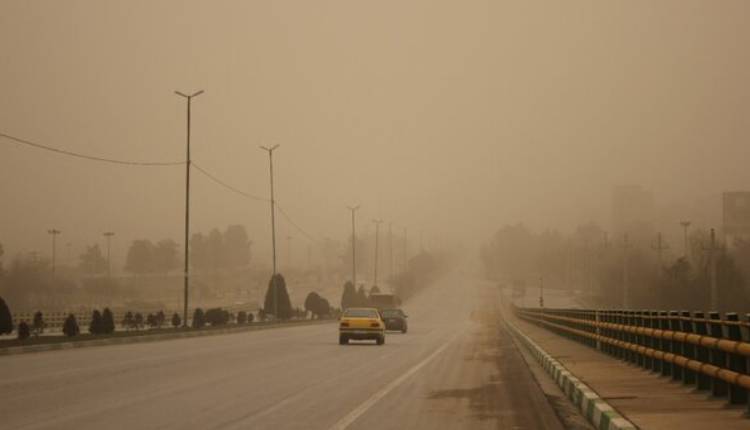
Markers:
<point>353,208</point>
<point>195,94</point>
<point>271,149</point>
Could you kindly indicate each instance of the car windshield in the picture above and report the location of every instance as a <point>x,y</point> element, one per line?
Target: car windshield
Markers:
<point>391,313</point>
<point>361,313</point>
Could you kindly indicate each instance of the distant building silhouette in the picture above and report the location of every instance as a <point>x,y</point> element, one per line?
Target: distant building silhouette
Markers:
<point>736,216</point>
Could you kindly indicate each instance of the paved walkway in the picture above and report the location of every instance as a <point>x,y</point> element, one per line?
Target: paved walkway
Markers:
<point>648,400</point>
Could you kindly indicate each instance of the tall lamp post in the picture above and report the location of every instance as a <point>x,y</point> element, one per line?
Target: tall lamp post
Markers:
<point>377,235</point>
<point>108,235</point>
<point>54,233</point>
<point>685,225</point>
<point>273,232</point>
<point>354,246</point>
<point>189,99</point>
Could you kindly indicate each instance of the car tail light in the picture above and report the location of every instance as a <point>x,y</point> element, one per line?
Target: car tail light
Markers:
<point>374,324</point>
<point>344,323</point>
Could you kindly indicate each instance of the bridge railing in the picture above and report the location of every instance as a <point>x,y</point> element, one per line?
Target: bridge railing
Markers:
<point>704,350</point>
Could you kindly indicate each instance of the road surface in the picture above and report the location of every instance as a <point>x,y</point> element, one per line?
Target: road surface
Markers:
<point>456,368</point>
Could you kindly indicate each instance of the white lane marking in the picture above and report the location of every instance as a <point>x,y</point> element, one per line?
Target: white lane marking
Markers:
<point>352,416</point>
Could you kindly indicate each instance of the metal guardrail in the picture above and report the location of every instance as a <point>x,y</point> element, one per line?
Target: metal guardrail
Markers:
<point>697,349</point>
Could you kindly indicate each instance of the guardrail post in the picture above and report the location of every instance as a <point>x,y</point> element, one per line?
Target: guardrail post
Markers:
<point>648,341</point>
<point>597,319</point>
<point>718,358</point>
<point>737,363</point>
<point>703,381</point>
<point>677,347</point>
<point>666,345</point>
<point>640,339</point>
<point>619,351</point>
<point>627,337</point>
<point>688,349</point>
<point>656,341</point>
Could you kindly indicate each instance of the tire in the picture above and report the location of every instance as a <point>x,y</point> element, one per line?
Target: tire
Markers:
<point>404,330</point>
<point>343,340</point>
<point>380,340</point>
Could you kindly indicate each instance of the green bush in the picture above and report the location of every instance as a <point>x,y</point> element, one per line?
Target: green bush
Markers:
<point>108,322</point>
<point>241,317</point>
<point>23,331</point>
<point>198,318</point>
<point>6,320</point>
<point>217,316</point>
<point>176,320</point>
<point>70,327</point>
<point>38,324</point>
<point>95,327</point>
<point>284,308</point>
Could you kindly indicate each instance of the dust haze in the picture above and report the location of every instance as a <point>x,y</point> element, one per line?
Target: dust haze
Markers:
<point>448,119</point>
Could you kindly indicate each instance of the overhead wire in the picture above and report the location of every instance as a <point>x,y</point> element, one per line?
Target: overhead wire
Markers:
<point>89,157</point>
<point>197,167</point>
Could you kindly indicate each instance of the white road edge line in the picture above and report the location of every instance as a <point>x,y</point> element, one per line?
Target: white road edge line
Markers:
<point>352,416</point>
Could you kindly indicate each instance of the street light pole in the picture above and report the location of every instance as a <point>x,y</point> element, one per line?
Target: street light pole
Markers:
<point>354,246</point>
<point>685,225</point>
<point>377,236</point>
<point>273,232</point>
<point>189,99</point>
<point>54,233</point>
<point>289,251</point>
<point>108,235</point>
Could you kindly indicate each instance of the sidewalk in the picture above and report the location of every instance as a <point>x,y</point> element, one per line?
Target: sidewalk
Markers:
<point>647,400</point>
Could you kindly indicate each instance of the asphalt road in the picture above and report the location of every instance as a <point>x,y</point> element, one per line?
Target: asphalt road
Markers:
<point>456,368</point>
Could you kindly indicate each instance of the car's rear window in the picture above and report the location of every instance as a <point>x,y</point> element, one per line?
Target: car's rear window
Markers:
<point>389,313</point>
<point>361,313</point>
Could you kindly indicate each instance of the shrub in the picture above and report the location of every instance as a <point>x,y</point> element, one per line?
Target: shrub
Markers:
<point>151,320</point>
<point>284,308</point>
<point>138,321</point>
<point>95,327</point>
<point>108,322</point>
<point>349,297</point>
<point>176,320</point>
<point>128,320</point>
<point>198,318</point>
<point>6,320</point>
<point>70,327</point>
<point>317,305</point>
<point>160,318</point>
<point>362,299</point>
<point>38,323</point>
<point>250,317</point>
<point>216,316</point>
<point>241,317</point>
<point>23,331</point>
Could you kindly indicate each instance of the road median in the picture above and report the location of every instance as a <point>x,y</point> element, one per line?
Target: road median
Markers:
<point>154,337</point>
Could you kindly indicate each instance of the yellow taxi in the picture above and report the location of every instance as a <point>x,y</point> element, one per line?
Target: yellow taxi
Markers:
<point>361,324</point>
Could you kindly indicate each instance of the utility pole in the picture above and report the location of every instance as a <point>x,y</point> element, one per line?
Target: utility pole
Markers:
<point>189,99</point>
<point>108,235</point>
<point>354,246</point>
<point>406,251</point>
<point>273,232</point>
<point>685,225</point>
<point>377,223</point>
<point>625,273</point>
<point>541,292</point>
<point>54,233</point>
<point>659,246</point>
<point>712,261</point>
<point>390,252</point>
<point>289,250</point>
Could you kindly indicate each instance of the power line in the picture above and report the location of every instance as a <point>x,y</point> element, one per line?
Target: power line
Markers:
<point>89,157</point>
<point>227,186</point>
<point>300,229</point>
<point>254,197</point>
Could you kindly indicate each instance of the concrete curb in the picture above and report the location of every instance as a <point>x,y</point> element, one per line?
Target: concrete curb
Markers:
<point>14,350</point>
<point>597,411</point>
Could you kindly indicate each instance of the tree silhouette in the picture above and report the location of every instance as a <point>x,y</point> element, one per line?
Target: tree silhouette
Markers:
<point>176,320</point>
<point>70,326</point>
<point>284,304</point>
<point>95,327</point>
<point>92,261</point>
<point>165,256</point>
<point>140,258</point>
<point>236,246</point>
<point>108,322</point>
<point>198,318</point>
<point>6,320</point>
<point>349,297</point>
<point>23,331</point>
<point>38,324</point>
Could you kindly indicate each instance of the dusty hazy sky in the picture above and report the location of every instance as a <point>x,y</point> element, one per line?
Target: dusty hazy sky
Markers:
<point>453,116</point>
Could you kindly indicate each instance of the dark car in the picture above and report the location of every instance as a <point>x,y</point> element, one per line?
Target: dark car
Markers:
<point>395,319</point>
